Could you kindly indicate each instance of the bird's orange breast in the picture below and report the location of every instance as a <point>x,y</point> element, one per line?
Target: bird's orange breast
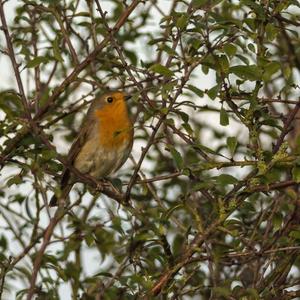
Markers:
<point>114,125</point>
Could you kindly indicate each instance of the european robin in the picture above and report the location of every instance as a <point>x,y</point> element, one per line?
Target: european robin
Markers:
<point>103,143</point>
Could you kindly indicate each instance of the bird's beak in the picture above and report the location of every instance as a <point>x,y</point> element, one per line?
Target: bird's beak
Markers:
<point>127,97</point>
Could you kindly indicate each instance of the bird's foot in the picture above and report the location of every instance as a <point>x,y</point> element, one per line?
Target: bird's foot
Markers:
<point>100,185</point>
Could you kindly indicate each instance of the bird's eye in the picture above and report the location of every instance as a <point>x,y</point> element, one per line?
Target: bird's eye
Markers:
<point>109,99</point>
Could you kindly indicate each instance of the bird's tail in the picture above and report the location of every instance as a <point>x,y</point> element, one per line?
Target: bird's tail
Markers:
<point>63,197</point>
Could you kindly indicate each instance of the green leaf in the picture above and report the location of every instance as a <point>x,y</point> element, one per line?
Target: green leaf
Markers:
<point>3,242</point>
<point>182,21</point>
<point>82,14</point>
<point>202,185</point>
<point>57,50</point>
<point>296,173</point>
<point>223,63</point>
<point>155,41</point>
<point>230,49</point>
<point>205,149</point>
<point>224,120</point>
<point>184,116</point>
<point>14,180</point>
<point>251,72</point>
<point>222,292</point>
<point>48,154</point>
<point>287,72</point>
<point>277,221</point>
<point>117,183</point>
<point>252,294</point>
<point>270,69</point>
<point>158,68</point>
<point>132,56</point>
<point>188,128</point>
<point>271,31</point>
<point>197,91</point>
<point>37,61</point>
<point>213,92</point>
<point>258,9</point>
<point>199,3</point>
<point>251,47</point>
<point>177,157</point>
<point>295,234</point>
<point>225,179</point>
<point>10,103</point>
<point>167,49</point>
<point>231,143</point>
<point>89,239</point>
<point>170,211</point>
<point>243,58</point>
<point>205,69</point>
<point>105,274</point>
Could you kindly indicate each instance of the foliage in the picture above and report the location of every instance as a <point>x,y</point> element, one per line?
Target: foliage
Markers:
<point>213,210</point>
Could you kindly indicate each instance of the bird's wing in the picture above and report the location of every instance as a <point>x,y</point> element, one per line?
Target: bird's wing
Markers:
<point>65,184</point>
<point>76,146</point>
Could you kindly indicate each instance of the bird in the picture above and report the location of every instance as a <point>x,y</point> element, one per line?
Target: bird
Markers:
<point>103,143</point>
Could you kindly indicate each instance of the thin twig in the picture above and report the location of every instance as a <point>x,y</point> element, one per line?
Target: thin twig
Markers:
<point>12,57</point>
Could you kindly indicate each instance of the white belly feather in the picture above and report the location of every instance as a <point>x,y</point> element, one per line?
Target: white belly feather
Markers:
<point>99,162</point>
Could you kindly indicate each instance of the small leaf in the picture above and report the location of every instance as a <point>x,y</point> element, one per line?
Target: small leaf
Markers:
<point>251,72</point>
<point>224,120</point>
<point>231,143</point>
<point>296,173</point>
<point>251,47</point>
<point>132,56</point>
<point>89,239</point>
<point>277,221</point>
<point>57,50</point>
<point>202,185</point>
<point>48,154</point>
<point>184,116</point>
<point>177,157</point>
<point>158,68</point>
<point>182,21</point>
<point>188,128</point>
<point>14,180</point>
<point>3,242</point>
<point>225,179</point>
<point>271,31</point>
<point>295,234</point>
<point>105,274</point>
<point>117,183</point>
<point>167,49</point>
<point>205,69</point>
<point>270,69</point>
<point>82,14</point>
<point>170,211</point>
<point>199,3</point>
<point>37,61</point>
<point>223,63</point>
<point>230,49</point>
<point>205,149</point>
<point>222,292</point>
<point>197,91</point>
<point>287,72</point>
<point>213,92</point>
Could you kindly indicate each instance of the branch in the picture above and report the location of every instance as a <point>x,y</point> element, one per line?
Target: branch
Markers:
<point>186,257</point>
<point>61,88</point>
<point>91,57</point>
<point>286,127</point>
<point>12,57</point>
<point>39,256</point>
